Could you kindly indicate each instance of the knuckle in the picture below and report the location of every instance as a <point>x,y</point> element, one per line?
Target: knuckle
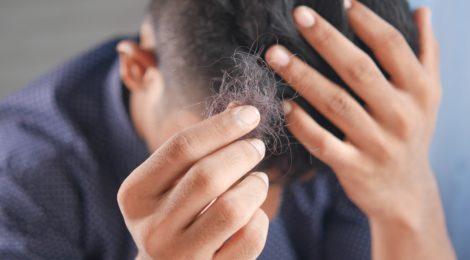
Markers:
<point>257,188</point>
<point>264,220</point>
<point>403,124</point>
<point>363,71</point>
<point>230,213</point>
<point>262,225</point>
<point>150,241</point>
<point>253,242</point>
<point>296,73</point>
<point>122,194</point>
<point>180,146</point>
<point>432,100</point>
<point>369,175</point>
<point>123,197</point>
<point>299,74</point>
<point>321,148</point>
<point>203,179</point>
<point>401,118</point>
<point>436,96</point>
<point>255,238</point>
<point>393,39</point>
<point>338,103</point>
<point>323,36</point>
<point>426,91</point>
<point>224,126</point>
<point>382,150</point>
<point>247,152</point>
<point>422,81</point>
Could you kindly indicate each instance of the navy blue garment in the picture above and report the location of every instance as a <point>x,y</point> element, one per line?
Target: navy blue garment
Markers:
<point>67,143</point>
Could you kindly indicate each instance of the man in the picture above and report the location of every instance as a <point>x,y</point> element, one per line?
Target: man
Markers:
<point>78,134</point>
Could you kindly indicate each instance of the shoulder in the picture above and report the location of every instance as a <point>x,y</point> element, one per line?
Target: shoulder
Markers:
<point>36,170</point>
<point>33,135</point>
<point>45,121</point>
<point>37,182</point>
<point>43,141</point>
<point>49,167</point>
<point>40,169</point>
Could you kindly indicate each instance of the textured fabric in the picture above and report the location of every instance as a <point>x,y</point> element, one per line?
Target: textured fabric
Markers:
<point>66,146</point>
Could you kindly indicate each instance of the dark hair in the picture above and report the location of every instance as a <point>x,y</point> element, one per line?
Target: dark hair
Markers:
<point>217,47</point>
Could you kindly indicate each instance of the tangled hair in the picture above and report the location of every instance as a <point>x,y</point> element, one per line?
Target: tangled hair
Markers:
<point>250,83</point>
<point>216,47</point>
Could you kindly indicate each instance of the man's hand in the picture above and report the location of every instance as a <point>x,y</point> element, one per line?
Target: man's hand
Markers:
<point>165,200</point>
<point>383,162</point>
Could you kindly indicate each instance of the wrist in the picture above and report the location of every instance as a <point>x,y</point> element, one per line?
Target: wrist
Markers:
<point>410,236</point>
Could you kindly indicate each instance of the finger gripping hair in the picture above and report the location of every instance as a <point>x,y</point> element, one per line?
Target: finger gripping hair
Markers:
<point>215,47</point>
<point>250,82</point>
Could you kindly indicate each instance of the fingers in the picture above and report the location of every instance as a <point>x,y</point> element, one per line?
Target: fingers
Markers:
<point>359,71</point>
<point>429,50</point>
<point>331,100</point>
<point>318,141</point>
<point>158,173</point>
<point>388,44</point>
<point>209,178</point>
<point>429,56</point>
<point>248,242</point>
<point>354,66</point>
<point>229,213</point>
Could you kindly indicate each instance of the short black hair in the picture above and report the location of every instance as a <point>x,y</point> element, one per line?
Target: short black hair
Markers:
<point>199,43</point>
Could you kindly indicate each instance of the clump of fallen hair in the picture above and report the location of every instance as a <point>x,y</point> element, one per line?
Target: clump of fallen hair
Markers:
<point>250,82</point>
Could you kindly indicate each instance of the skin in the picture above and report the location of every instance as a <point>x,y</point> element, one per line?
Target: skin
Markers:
<point>382,164</point>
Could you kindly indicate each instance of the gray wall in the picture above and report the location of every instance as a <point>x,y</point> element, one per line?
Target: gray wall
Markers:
<point>36,35</point>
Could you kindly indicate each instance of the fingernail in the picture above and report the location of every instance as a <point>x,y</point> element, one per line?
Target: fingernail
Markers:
<point>347,4</point>
<point>262,176</point>
<point>247,115</point>
<point>258,145</point>
<point>303,17</point>
<point>279,57</point>
<point>287,107</point>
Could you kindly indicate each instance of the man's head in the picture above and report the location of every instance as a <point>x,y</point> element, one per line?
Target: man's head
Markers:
<point>195,57</point>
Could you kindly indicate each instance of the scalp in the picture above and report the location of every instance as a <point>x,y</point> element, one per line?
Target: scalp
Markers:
<point>216,47</point>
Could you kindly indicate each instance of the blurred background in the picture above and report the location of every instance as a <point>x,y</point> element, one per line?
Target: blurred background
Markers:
<point>37,35</point>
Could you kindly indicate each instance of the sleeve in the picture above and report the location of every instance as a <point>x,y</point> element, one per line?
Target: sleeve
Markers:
<point>40,214</point>
<point>347,232</point>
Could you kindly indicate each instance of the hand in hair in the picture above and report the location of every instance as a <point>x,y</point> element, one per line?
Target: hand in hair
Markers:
<point>383,162</point>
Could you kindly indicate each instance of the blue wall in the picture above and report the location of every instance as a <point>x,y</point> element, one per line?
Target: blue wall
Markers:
<point>451,150</point>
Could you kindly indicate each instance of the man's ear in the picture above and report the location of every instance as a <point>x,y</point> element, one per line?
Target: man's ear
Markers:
<point>136,65</point>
